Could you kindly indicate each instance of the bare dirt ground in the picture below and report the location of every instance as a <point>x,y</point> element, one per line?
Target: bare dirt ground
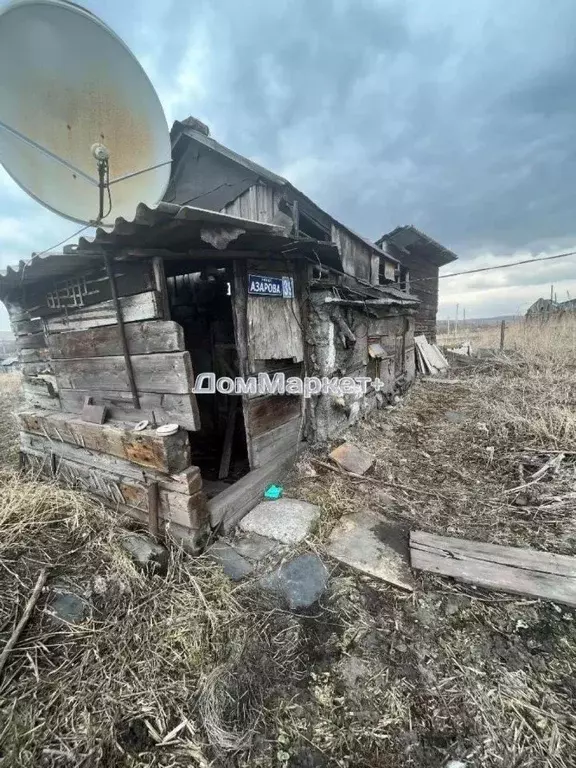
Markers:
<point>190,670</point>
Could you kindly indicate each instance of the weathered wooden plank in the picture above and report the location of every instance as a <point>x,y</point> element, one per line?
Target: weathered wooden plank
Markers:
<point>270,411</point>
<point>31,341</point>
<point>189,481</point>
<point>141,306</point>
<point>169,373</point>
<point>155,407</point>
<point>274,329</point>
<point>42,354</point>
<point>143,339</point>
<point>229,507</point>
<point>49,298</point>
<point>26,327</point>
<point>115,488</point>
<point>39,392</point>
<point>169,453</point>
<point>271,444</point>
<point>508,569</point>
<point>43,367</point>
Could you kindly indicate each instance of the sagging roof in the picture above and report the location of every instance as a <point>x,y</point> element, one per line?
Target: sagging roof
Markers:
<point>407,237</point>
<point>193,180</point>
<point>167,226</point>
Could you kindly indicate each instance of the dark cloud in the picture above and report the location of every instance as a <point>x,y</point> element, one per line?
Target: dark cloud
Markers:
<point>457,117</point>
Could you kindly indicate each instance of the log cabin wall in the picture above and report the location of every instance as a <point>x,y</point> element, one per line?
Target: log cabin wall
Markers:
<point>424,285</point>
<point>347,342</point>
<point>70,349</point>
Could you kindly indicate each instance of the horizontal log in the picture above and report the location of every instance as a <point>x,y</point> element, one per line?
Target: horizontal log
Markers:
<point>90,287</point>
<point>39,355</point>
<point>143,339</point>
<point>188,482</point>
<point>157,408</point>
<point>141,306</point>
<point>31,341</point>
<point>43,367</point>
<point>169,373</point>
<point>169,453</point>
<point>26,327</point>
<point>41,392</point>
<point>179,508</point>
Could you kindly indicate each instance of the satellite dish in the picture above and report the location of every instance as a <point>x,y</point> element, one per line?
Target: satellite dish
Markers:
<point>82,130</point>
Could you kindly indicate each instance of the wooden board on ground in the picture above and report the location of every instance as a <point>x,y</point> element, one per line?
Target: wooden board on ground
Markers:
<point>507,569</point>
<point>230,506</point>
<point>143,338</point>
<point>429,357</point>
<point>166,453</point>
<point>372,544</point>
<point>169,373</point>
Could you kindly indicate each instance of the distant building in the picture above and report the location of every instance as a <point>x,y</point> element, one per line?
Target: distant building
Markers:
<point>544,308</point>
<point>421,258</point>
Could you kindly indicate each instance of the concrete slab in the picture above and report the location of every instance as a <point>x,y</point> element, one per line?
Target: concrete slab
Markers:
<point>286,520</point>
<point>300,582</point>
<point>352,459</point>
<point>233,564</point>
<point>253,546</point>
<point>370,543</point>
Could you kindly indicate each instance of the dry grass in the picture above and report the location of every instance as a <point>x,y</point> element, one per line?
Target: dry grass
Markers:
<point>189,670</point>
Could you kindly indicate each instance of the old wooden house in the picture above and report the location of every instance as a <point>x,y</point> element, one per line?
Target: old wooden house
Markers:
<point>122,336</point>
<point>420,260</point>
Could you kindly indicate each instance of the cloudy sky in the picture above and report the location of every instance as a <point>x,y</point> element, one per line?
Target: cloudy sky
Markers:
<point>458,117</point>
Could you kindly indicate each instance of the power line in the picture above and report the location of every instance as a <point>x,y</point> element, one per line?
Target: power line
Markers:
<point>499,266</point>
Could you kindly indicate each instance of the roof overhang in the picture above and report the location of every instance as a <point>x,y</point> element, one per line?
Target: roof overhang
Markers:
<point>409,238</point>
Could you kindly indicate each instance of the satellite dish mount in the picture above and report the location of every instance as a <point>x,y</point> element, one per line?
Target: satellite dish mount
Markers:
<point>102,155</point>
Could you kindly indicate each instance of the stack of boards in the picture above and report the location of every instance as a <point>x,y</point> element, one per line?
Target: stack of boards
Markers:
<point>429,360</point>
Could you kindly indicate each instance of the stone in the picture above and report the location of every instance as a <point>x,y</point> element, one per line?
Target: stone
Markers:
<point>233,564</point>
<point>253,546</point>
<point>68,607</point>
<point>300,582</point>
<point>352,459</point>
<point>289,521</point>
<point>374,545</point>
<point>146,554</point>
<point>456,417</point>
<point>352,669</point>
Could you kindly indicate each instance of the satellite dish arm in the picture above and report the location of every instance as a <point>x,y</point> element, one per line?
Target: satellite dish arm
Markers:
<point>51,155</point>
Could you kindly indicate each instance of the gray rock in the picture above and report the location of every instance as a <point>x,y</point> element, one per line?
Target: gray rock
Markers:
<point>286,520</point>
<point>69,607</point>
<point>146,553</point>
<point>253,546</point>
<point>456,417</point>
<point>352,669</point>
<point>233,564</point>
<point>300,582</point>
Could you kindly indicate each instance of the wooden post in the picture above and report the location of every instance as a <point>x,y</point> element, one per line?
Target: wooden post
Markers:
<point>161,285</point>
<point>502,334</point>
<point>153,499</point>
<point>121,330</point>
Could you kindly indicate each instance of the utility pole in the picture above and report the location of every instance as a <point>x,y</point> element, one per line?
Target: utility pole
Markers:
<point>551,293</point>
<point>464,318</point>
<point>456,326</point>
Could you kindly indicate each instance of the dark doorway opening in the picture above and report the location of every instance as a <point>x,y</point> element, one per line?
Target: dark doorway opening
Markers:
<point>201,303</point>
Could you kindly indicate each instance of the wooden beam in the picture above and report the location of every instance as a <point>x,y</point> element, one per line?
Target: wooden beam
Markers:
<point>116,490</point>
<point>144,338</point>
<point>187,482</point>
<point>169,373</point>
<point>507,569</point>
<point>141,306</point>
<point>155,407</point>
<point>229,507</point>
<point>169,453</point>
<point>161,286</point>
